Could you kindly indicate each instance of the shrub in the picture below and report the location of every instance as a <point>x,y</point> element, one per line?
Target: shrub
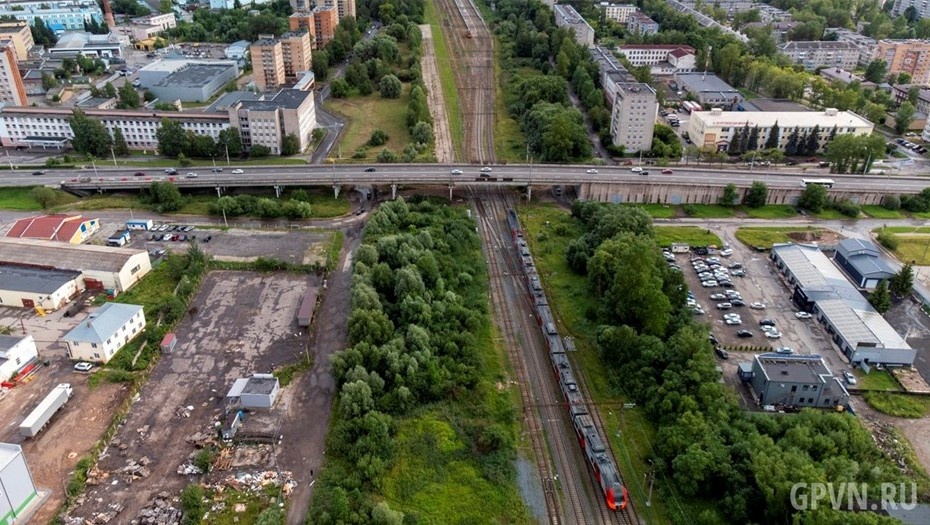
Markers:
<point>891,202</point>
<point>689,210</point>
<point>888,240</point>
<point>846,207</point>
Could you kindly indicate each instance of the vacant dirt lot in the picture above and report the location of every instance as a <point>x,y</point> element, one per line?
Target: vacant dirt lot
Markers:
<point>245,323</point>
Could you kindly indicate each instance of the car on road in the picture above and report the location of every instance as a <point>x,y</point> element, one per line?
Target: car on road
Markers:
<point>849,377</point>
<point>237,171</point>
<point>744,333</point>
<point>456,172</point>
<point>591,170</point>
<point>171,171</point>
<point>721,353</point>
<point>718,297</point>
<point>667,171</point>
<point>757,306</point>
<point>713,339</point>
<point>191,175</point>
<point>803,315</point>
<point>486,169</point>
<point>139,174</point>
<point>724,306</point>
<point>38,172</point>
<point>784,350</point>
<point>738,273</point>
<point>737,302</point>
<point>767,322</point>
<point>726,253</point>
<point>369,169</point>
<point>636,169</point>
<point>217,170</point>
<point>208,238</point>
<point>644,172</point>
<point>83,366</point>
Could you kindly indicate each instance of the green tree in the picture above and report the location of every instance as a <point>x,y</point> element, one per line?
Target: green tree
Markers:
<point>320,65</point>
<point>91,137</point>
<point>192,505</point>
<point>904,116</point>
<point>339,88</point>
<point>165,196</point>
<point>880,298</point>
<point>271,516</point>
<point>390,86</point>
<point>757,195</point>
<point>128,97</point>
<point>119,143</point>
<point>172,140</point>
<point>46,197</point>
<point>109,90</point>
<point>259,151</point>
<point>48,81</point>
<point>729,195</point>
<point>902,282</point>
<point>290,145</point>
<point>378,138</point>
<point>42,34</point>
<point>813,198</point>
<point>876,71</point>
<point>230,142</point>
<point>422,133</point>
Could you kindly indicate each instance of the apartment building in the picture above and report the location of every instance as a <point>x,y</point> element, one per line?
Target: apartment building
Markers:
<point>267,63</point>
<point>566,16</point>
<point>325,20</point>
<point>296,49</point>
<point>769,14</point>
<point>618,12</point>
<point>612,72</point>
<point>867,45</point>
<point>59,16</point>
<point>922,7</point>
<point>633,117</point>
<point>268,121</point>
<point>817,54</point>
<point>922,104</point>
<point>906,56</point>
<point>303,21</point>
<point>21,36</point>
<point>12,90</point>
<point>715,128</point>
<point>640,24</point>
<point>662,59</point>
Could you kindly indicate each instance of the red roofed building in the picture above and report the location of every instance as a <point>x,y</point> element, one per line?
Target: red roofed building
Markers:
<point>73,229</point>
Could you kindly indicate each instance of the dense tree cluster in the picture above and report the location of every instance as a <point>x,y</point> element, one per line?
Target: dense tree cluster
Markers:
<point>295,207</point>
<point>91,137</point>
<point>174,140</point>
<point>230,25</point>
<point>418,299</point>
<point>854,153</point>
<point>705,443</point>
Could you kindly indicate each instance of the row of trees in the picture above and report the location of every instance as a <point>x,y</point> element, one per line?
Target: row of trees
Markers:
<point>91,137</point>
<point>296,206</point>
<point>174,140</point>
<point>705,444</point>
<point>230,25</point>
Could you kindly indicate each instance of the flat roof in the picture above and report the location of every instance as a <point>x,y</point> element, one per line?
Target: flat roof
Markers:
<point>228,99</point>
<point>65,256</point>
<point>35,280</point>
<point>772,104</point>
<point>785,119</point>
<point>838,45</point>
<point>9,341</point>
<point>284,99</point>
<point>793,369</point>
<point>194,75</point>
<point>260,385</point>
<point>702,82</point>
<point>9,452</point>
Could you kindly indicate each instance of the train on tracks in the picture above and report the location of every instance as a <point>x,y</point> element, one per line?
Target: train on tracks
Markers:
<point>592,444</point>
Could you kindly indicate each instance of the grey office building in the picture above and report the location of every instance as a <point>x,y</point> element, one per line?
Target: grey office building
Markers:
<point>192,82</point>
<point>795,381</point>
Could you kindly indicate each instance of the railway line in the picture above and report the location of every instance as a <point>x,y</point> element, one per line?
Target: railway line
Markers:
<point>572,492</point>
<point>471,60</point>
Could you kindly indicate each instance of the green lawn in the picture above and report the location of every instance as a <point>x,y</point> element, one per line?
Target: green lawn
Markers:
<point>365,114</point>
<point>693,235</point>
<point>766,236</point>
<point>708,211</point>
<point>904,229</point>
<point>913,248</point>
<point>829,214</point>
<point>447,81</point>
<point>548,231</point>
<point>20,198</point>
<point>772,211</point>
<point>880,212</point>
<point>658,211</point>
<point>898,405</point>
<point>878,380</point>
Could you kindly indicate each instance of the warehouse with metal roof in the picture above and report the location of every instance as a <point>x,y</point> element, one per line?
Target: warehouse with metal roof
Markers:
<point>23,286</point>
<point>820,288</point>
<point>862,262</point>
<point>102,267</point>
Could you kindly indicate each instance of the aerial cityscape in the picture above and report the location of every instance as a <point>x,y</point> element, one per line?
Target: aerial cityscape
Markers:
<point>287,262</point>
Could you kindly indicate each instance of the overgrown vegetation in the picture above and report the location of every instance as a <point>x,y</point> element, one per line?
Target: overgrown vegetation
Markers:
<point>898,405</point>
<point>420,432</point>
<point>766,236</point>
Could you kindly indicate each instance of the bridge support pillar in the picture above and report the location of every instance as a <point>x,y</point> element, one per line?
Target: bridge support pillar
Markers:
<point>278,190</point>
<point>335,191</point>
<point>219,192</point>
<point>450,192</point>
<point>529,193</point>
<point>393,191</point>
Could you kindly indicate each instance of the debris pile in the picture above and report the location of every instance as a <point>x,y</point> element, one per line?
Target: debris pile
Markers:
<point>888,439</point>
<point>143,431</point>
<point>199,439</point>
<point>136,469</point>
<point>188,469</point>
<point>159,512</point>
<point>183,412</point>
<point>95,476</point>
<point>246,482</point>
<point>100,518</point>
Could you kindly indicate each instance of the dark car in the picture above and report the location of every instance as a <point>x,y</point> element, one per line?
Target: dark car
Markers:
<point>713,339</point>
<point>737,302</point>
<point>217,170</point>
<point>38,172</point>
<point>207,238</point>
<point>744,333</point>
<point>791,162</point>
<point>723,354</point>
<point>767,322</point>
<point>139,174</point>
<point>369,170</point>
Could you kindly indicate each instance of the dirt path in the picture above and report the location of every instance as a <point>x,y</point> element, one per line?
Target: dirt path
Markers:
<point>437,107</point>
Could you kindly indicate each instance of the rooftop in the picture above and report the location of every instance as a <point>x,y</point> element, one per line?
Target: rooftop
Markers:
<point>9,341</point>
<point>766,119</point>
<point>260,384</point>
<point>804,45</point>
<point>239,44</point>
<point>194,75</point>
<point>771,104</point>
<point>8,452</point>
<point>284,99</point>
<point>103,324</point>
<point>701,82</point>
<point>34,280</point>
<point>793,368</point>
<point>229,99</point>
<point>864,257</point>
<point>667,47</point>
<point>49,254</point>
<point>57,227</point>
<point>93,102</point>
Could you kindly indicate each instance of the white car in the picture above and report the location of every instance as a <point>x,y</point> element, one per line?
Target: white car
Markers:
<point>757,306</point>
<point>718,297</point>
<point>457,172</point>
<point>733,321</point>
<point>591,170</point>
<point>486,169</point>
<point>772,334</point>
<point>784,350</point>
<point>709,284</point>
<point>850,378</point>
<point>83,366</point>
<point>636,169</point>
<point>237,171</point>
<point>803,315</point>
<point>726,253</point>
<point>191,176</point>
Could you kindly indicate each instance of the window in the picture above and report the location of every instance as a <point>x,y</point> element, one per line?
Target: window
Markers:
<point>805,388</point>
<point>794,388</point>
<point>93,345</point>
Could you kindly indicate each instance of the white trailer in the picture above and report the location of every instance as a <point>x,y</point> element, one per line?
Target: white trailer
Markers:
<point>38,418</point>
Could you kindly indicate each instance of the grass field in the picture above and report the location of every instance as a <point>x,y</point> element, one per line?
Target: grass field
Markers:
<point>878,380</point>
<point>368,113</point>
<point>828,214</point>
<point>658,211</point>
<point>549,230</point>
<point>880,212</point>
<point>773,211</point>
<point>766,236</point>
<point>693,235</point>
<point>447,81</point>
<point>898,405</point>
<point>20,198</point>
<point>904,229</point>
<point>708,211</point>
<point>913,248</point>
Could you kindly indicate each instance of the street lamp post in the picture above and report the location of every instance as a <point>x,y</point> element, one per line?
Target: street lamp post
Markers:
<point>94,164</point>
<point>113,154</point>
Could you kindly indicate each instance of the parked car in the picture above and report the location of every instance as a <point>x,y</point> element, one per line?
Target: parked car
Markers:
<point>738,273</point>
<point>784,350</point>
<point>718,297</point>
<point>83,366</point>
<point>737,302</point>
<point>803,315</point>
<point>767,322</point>
<point>744,333</point>
<point>726,253</point>
<point>724,306</point>
<point>772,334</point>
<point>709,284</point>
<point>207,238</point>
<point>713,339</point>
<point>721,353</point>
<point>849,377</point>
<point>757,306</point>
<point>733,321</point>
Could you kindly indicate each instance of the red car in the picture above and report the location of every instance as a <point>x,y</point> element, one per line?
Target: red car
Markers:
<point>667,171</point>
<point>139,174</point>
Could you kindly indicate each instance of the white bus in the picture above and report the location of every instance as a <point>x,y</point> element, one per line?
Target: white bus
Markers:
<point>826,183</point>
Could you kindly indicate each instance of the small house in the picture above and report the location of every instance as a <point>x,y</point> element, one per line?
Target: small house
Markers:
<point>257,392</point>
<point>796,381</point>
<point>98,337</point>
<point>15,354</point>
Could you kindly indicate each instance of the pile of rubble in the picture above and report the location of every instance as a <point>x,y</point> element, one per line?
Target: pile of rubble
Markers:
<point>188,469</point>
<point>246,482</point>
<point>200,439</point>
<point>159,512</point>
<point>183,412</point>
<point>889,440</point>
<point>136,469</point>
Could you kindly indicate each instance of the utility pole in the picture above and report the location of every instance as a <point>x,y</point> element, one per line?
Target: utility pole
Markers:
<point>113,154</point>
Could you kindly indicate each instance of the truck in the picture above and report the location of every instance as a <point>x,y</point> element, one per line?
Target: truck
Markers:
<point>38,418</point>
<point>139,224</point>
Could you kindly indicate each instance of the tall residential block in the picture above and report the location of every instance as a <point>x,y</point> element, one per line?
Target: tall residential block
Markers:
<point>906,56</point>
<point>21,36</point>
<point>634,116</point>
<point>303,20</point>
<point>344,8</point>
<point>12,89</point>
<point>296,47</point>
<point>325,20</point>
<point>267,63</point>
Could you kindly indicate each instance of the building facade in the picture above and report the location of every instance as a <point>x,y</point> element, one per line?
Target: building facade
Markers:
<point>922,7</point>
<point>566,16</point>
<point>716,128</point>
<point>303,21</point>
<point>16,352</point>
<point>101,334</point>
<point>296,49</point>
<point>194,81</point>
<point>906,56</point>
<point>17,488</point>
<point>862,262</point>
<point>21,36</point>
<point>867,45</point>
<point>796,381</point>
<point>267,63</point>
<point>618,12</point>
<point>661,59</point>
<point>612,72</point>
<point>633,117</point>
<point>639,23</point>
<point>12,89</point>
<point>267,122</point>
<point>73,229</point>
<point>817,54</point>
<point>59,19</point>
<point>325,20</point>
<point>709,89</point>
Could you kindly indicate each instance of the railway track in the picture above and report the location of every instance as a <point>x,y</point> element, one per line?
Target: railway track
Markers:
<point>581,500</point>
<point>471,57</point>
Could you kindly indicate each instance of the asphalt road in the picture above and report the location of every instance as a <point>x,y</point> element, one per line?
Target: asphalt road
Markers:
<point>122,178</point>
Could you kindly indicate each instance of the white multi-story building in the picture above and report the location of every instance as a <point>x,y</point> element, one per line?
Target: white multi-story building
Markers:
<point>922,7</point>
<point>98,337</point>
<point>639,23</point>
<point>867,45</point>
<point>59,16</point>
<point>612,72</point>
<point>566,16</point>
<point>769,14</point>
<point>618,12</point>
<point>715,128</point>
<point>633,118</point>
<point>662,59</point>
<point>816,54</point>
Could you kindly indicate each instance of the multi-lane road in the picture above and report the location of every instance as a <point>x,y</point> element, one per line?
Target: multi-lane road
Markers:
<point>433,174</point>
